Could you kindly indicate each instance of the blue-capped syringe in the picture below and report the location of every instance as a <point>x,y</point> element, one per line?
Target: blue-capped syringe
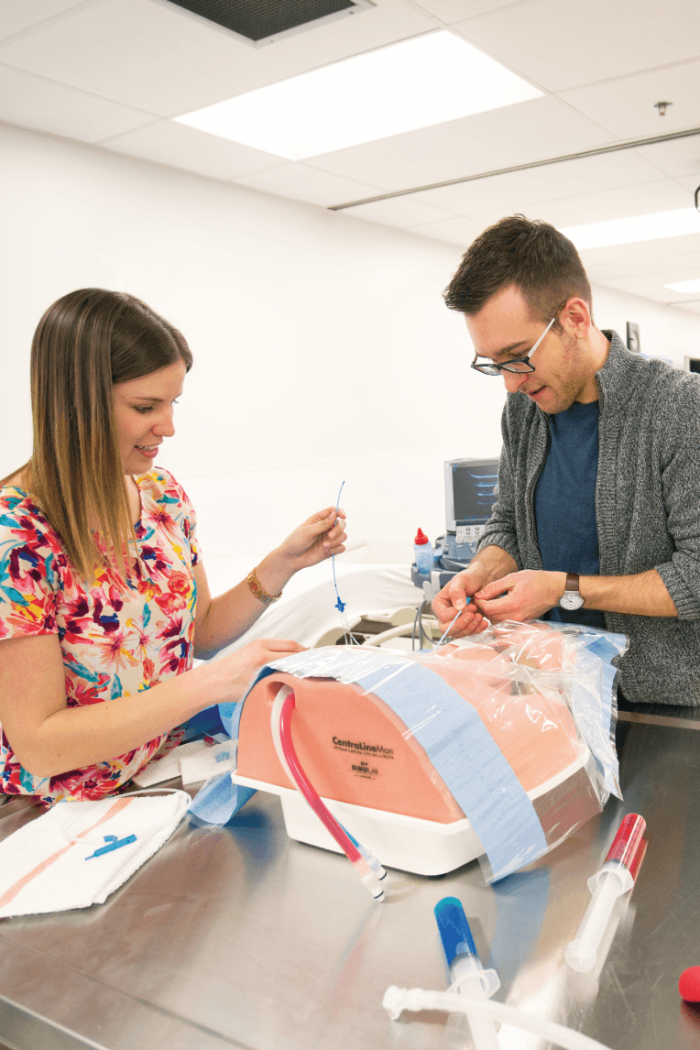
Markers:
<point>467,975</point>
<point>471,990</point>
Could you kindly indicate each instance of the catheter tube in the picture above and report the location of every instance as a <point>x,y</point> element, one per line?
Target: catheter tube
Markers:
<point>467,973</point>
<point>367,867</point>
<point>304,785</point>
<point>398,999</point>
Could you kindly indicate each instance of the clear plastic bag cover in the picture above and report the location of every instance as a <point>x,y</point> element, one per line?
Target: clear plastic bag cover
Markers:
<point>515,725</point>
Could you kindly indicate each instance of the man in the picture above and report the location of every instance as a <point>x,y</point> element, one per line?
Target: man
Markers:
<point>597,519</point>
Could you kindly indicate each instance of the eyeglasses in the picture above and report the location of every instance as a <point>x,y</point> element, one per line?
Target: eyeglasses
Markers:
<point>520,364</point>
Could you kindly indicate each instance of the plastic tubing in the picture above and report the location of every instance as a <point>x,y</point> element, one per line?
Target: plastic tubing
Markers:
<point>282,694</point>
<point>398,999</point>
<point>385,636</point>
<point>370,873</point>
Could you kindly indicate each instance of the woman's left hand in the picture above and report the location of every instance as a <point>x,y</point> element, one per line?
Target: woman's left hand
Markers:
<point>320,536</point>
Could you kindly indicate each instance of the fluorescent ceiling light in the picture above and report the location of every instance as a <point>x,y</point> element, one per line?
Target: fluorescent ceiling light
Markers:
<point>638,228</point>
<point>414,84</point>
<point>684,286</point>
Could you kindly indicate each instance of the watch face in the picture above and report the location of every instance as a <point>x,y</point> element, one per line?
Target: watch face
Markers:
<point>571,600</point>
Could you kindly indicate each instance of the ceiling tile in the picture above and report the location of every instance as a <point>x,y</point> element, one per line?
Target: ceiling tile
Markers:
<point>301,182</point>
<point>191,150</point>
<point>516,191</point>
<point>649,257</point>
<point>691,182</point>
<point>158,58</point>
<point>558,44</point>
<point>43,105</point>
<point>501,138</point>
<point>650,286</point>
<point>16,15</point>
<point>626,105</point>
<point>676,276</point>
<point>399,211</point>
<point>599,273</point>
<point>455,231</point>
<point>678,157</point>
<point>622,202</point>
<point>451,11</point>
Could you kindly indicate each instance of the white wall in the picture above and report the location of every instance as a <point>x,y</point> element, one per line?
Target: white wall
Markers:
<point>664,331</point>
<point>323,351</point>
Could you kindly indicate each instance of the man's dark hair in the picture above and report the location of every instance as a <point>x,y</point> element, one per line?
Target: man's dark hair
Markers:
<point>535,257</point>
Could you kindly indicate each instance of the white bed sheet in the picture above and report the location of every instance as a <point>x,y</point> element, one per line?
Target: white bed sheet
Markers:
<point>307,609</point>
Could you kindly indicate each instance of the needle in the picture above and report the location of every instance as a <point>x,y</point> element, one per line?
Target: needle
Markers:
<point>459,613</point>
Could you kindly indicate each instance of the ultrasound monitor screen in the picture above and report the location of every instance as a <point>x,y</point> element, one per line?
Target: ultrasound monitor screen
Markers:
<point>470,490</point>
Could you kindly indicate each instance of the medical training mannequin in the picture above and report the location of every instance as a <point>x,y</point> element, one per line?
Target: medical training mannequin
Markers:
<point>104,600</point>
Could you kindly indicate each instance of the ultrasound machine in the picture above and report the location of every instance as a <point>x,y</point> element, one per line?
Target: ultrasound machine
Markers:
<point>470,493</point>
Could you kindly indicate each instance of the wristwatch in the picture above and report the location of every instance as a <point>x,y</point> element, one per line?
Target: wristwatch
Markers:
<point>571,598</point>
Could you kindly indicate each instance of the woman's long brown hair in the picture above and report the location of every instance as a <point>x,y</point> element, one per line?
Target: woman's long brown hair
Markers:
<point>85,343</point>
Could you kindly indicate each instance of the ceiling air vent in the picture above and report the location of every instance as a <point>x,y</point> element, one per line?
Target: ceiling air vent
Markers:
<point>264,21</point>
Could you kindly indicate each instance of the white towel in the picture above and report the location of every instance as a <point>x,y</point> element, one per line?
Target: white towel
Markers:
<point>79,852</point>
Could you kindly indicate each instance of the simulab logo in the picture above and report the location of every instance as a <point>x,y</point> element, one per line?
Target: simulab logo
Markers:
<point>359,745</point>
<point>365,770</point>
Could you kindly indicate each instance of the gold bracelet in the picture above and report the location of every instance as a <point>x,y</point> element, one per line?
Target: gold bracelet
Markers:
<point>259,592</point>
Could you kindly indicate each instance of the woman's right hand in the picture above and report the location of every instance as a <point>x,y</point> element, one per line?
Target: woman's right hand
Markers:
<point>234,672</point>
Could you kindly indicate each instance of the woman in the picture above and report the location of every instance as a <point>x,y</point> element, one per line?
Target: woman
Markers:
<point>103,594</point>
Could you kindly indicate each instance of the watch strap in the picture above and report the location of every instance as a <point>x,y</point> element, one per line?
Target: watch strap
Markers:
<point>571,584</point>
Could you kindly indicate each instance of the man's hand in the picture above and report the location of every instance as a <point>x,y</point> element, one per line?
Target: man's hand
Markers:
<point>523,595</point>
<point>456,596</point>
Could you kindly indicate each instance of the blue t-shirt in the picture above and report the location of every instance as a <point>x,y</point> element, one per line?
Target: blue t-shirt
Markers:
<point>565,503</point>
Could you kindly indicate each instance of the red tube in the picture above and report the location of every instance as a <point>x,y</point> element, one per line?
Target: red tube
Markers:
<point>305,786</point>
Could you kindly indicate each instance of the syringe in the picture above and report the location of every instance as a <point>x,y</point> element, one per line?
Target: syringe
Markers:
<point>617,876</point>
<point>467,975</point>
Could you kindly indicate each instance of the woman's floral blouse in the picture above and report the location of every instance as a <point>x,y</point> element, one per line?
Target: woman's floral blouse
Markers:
<point>115,640</point>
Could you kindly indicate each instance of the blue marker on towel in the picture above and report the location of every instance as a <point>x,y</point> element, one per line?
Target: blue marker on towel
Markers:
<point>112,843</point>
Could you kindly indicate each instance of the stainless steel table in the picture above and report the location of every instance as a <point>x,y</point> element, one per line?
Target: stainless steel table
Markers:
<point>237,937</point>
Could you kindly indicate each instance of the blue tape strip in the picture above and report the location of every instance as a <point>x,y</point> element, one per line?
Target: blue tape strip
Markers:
<point>592,707</point>
<point>218,801</point>
<point>220,798</point>
<point>470,763</point>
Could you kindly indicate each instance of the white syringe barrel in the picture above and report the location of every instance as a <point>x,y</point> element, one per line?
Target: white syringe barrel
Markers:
<point>582,953</point>
<point>615,878</point>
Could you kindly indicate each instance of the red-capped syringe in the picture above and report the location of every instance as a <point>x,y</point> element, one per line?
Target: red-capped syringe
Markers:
<point>617,876</point>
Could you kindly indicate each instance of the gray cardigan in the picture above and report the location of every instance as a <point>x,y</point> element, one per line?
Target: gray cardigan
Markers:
<point>647,509</point>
